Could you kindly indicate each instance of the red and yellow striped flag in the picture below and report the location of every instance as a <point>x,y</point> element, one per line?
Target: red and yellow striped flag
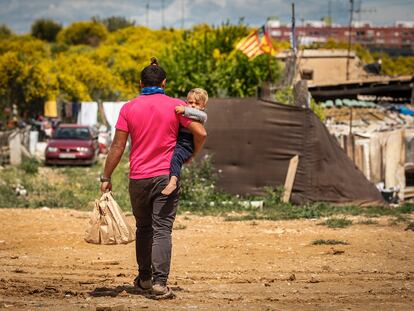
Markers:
<point>255,44</point>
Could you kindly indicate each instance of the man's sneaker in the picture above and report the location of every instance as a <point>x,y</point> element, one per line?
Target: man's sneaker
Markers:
<point>143,285</point>
<point>160,291</point>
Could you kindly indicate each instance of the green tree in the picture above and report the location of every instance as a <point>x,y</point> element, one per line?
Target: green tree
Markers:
<point>23,81</point>
<point>114,23</point>
<point>98,80</point>
<point>89,33</point>
<point>46,29</point>
<point>402,65</point>
<point>100,83</point>
<point>5,31</point>
<point>206,58</point>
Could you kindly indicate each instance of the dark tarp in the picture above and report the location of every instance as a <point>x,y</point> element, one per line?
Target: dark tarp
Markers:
<point>252,142</point>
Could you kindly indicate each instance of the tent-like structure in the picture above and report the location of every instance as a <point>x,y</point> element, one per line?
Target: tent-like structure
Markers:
<point>252,142</point>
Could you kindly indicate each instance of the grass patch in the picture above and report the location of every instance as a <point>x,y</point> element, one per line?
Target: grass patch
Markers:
<point>317,210</point>
<point>367,222</point>
<point>337,222</point>
<point>410,226</point>
<point>54,187</point>
<point>329,242</point>
<point>10,199</point>
<point>30,166</point>
<point>77,187</point>
<point>399,219</point>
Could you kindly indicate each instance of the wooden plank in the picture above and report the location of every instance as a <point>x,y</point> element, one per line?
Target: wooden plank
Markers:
<point>359,157</point>
<point>290,178</point>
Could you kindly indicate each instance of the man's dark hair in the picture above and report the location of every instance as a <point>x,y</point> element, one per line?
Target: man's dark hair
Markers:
<point>153,75</point>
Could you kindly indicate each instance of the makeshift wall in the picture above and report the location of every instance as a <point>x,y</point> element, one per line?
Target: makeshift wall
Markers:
<point>252,142</point>
<point>382,157</point>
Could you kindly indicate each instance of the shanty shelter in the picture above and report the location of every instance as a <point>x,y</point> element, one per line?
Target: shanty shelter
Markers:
<point>253,140</point>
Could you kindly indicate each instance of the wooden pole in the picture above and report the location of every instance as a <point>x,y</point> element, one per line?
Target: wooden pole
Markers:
<point>294,47</point>
<point>351,13</point>
<point>290,178</point>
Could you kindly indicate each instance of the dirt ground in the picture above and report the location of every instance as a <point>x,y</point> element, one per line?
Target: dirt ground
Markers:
<point>262,265</point>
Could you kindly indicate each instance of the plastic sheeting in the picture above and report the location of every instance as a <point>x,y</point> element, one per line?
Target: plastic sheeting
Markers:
<point>88,114</point>
<point>111,111</point>
<point>252,142</point>
<point>394,159</point>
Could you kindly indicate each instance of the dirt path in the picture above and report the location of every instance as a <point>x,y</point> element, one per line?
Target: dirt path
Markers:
<point>46,265</point>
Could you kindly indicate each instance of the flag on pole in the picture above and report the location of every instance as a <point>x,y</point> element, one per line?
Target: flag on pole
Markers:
<point>256,43</point>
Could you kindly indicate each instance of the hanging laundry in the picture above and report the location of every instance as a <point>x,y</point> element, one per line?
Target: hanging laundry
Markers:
<point>50,109</point>
<point>111,111</point>
<point>75,110</point>
<point>68,110</point>
<point>88,114</point>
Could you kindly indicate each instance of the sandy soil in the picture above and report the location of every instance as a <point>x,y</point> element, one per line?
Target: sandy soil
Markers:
<point>264,265</point>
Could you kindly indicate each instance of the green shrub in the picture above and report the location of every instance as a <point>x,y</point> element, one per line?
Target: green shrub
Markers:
<point>273,196</point>
<point>30,166</point>
<point>337,222</point>
<point>45,29</point>
<point>10,199</point>
<point>90,33</point>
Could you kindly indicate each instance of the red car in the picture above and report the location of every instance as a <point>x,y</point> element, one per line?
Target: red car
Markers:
<point>72,144</point>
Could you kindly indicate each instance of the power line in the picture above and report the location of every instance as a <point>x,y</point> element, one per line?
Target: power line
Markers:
<point>359,10</point>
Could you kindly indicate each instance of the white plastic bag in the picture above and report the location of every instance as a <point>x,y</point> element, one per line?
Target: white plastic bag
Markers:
<point>108,224</point>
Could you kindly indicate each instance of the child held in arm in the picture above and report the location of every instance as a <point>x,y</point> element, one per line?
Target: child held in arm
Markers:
<point>197,101</point>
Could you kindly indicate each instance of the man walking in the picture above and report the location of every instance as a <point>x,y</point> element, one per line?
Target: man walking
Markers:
<point>152,124</point>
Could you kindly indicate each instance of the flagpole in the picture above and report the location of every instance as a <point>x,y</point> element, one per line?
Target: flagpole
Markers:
<point>293,29</point>
<point>293,44</point>
<point>269,60</point>
<point>351,12</point>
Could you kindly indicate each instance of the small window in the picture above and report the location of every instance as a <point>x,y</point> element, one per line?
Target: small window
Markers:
<point>306,74</point>
<point>409,178</point>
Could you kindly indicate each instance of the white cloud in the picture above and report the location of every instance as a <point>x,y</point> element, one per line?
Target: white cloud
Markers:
<point>20,14</point>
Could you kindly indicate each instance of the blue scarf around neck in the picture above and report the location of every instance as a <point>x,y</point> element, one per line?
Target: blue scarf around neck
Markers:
<point>149,90</point>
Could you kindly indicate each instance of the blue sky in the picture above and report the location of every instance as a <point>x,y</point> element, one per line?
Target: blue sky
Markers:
<point>20,14</point>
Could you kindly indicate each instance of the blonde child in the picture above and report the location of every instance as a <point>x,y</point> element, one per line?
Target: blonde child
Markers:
<point>197,102</point>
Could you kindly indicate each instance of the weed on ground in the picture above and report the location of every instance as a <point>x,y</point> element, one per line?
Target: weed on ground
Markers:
<point>337,223</point>
<point>410,226</point>
<point>329,242</point>
<point>367,222</point>
<point>399,219</point>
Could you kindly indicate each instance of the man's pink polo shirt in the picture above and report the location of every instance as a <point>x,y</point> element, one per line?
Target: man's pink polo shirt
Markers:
<point>153,125</point>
